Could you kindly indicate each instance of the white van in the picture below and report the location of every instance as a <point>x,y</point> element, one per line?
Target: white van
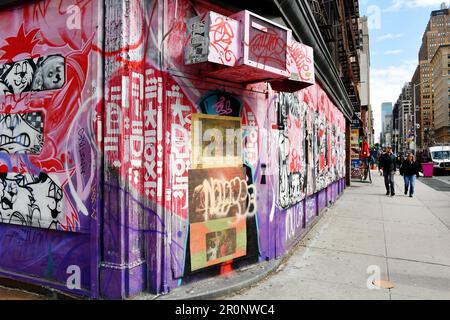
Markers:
<point>441,158</point>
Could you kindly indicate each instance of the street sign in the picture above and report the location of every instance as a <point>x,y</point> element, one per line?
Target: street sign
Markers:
<point>356,122</point>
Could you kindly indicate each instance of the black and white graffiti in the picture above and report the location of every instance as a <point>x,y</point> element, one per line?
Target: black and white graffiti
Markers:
<point>38,74</point>
<point>49,73</point>
<point>30,200</point>
<point>340,153</point>
<point>291,152</point>
<point>21,132</point>
<point>17,77</point>
<point>321,151</point>
<point>310,138</point>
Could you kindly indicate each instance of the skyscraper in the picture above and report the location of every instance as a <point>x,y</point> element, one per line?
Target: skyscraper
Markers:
<point>437,33</point>
<point>386,109</point>
<point>441,90</point>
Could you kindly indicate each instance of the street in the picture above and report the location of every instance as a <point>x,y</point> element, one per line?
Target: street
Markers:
<point>406,239</point>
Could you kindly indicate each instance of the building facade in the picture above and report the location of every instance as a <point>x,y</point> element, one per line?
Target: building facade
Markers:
<point>437,33</point>
<point>388,130</point>
<point>406,119</point>
<point>366,108</point>
<point>386,109</point>
<point>129,116</point>
<point>440,64</point>
<point>395,128</point>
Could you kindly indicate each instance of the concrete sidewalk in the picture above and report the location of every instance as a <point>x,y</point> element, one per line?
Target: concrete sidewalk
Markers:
<point>408,239</point>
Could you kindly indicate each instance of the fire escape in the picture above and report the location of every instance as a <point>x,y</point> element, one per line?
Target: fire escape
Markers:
<point>338,21</point>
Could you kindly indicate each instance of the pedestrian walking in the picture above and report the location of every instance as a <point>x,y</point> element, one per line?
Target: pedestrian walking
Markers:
<point>364,155</point>
<point>409,170</point>
<point>388,165</point>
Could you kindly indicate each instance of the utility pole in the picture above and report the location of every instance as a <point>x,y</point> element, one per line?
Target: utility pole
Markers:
<point>415,116</point>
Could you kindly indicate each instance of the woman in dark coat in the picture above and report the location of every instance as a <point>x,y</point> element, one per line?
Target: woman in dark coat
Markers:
<point>409,170</point>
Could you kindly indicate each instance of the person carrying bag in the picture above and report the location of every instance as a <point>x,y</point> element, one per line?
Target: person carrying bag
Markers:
<point>409,170</point>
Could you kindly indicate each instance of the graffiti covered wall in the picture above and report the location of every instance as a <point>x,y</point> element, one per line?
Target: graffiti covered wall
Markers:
<point>200,175</point>
<point>49,155</point>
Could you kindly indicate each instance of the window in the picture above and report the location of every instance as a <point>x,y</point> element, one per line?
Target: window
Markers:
<point>440,155</point>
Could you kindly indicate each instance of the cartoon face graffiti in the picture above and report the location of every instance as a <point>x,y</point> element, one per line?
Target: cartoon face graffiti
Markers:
<point>15,201</point>
<point>21,132</point>
<point>50,74</point>
<point>30,200</point>
<point>48,198</point>
<point>18,76</point>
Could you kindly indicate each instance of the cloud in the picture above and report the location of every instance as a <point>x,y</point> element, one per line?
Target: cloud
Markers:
<point>386,85</point>
<point>393,52</point>
<point>400,4</point>
<point>390,36</point>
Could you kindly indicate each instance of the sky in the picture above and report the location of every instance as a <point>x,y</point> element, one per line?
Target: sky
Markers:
<point>396,28</point>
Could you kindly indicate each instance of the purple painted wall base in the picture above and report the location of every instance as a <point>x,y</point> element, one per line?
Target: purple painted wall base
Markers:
<point>311,209</point>
<point>321,201</point>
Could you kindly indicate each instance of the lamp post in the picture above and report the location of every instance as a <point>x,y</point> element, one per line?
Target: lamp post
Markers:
<point>415,117</point>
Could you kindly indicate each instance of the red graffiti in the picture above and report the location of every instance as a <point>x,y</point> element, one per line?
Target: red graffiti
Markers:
<point>223,106</point>
<point>302,61</point>
<point>222,38</point>
<point>269,49</point>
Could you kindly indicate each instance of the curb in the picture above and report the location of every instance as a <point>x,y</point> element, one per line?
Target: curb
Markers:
<point>46,293</point>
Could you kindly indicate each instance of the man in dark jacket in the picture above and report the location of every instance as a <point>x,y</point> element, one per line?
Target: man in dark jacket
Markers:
<point>388,165</point>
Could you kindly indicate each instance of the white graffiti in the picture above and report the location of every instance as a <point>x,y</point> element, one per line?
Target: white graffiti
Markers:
<point>293,222</point>
<point>250,131</point>
<point>153,134</point>
<point>217,198</point>
<point>180,137</point>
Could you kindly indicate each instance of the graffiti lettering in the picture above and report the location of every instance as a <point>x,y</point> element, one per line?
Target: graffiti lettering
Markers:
<point>223,107</point>
<point>137,137</point>
<point>150,120</point>
<point>269,49</point>
<point>251,140</point>
<point>221,37</point>
<point>299,55</point>
<point>218,198</point>
<point>293,222</point>
<point>180,155</point>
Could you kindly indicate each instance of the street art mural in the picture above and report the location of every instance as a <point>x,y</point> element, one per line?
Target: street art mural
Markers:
<point>321,141</point>
<point>41,112</point>
<point>22,132</point>
<point>219,203</point>
<point>49,152</point>
<point>292,145</point>
<point>39,74</point>
<point>165,211</point>
<point>225,195</point>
